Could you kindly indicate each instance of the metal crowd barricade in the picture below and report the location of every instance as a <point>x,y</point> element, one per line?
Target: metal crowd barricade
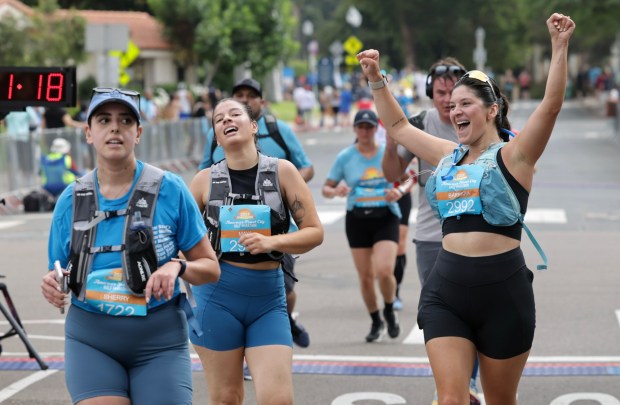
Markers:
<point>161,143</point>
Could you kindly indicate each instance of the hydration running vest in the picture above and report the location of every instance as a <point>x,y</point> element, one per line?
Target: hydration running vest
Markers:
<point>500,206</point>
<point>138,249</point>
<point>267,192</point>
<point>55,168</point>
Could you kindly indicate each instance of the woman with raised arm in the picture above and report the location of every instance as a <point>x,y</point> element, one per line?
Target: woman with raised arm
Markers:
<point>478,299</point>
<point>247,200</point>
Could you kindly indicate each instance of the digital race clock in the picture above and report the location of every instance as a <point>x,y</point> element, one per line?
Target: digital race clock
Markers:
<point>36,86</point>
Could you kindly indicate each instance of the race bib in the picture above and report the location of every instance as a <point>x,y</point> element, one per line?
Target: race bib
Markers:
<point>459,194</point>
<point>107,293</point>
<point>235,220</point>
<point>369,197</point>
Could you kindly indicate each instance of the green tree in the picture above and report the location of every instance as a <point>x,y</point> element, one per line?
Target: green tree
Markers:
<point>223,34</point>
<point>50,37</point>
<point>13,42</point>
<point>180,18</point>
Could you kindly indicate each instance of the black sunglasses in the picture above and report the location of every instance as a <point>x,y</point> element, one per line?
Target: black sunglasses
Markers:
<point>448,69</point>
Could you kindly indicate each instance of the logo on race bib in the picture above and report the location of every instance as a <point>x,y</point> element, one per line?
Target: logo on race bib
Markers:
<point>245,214</point>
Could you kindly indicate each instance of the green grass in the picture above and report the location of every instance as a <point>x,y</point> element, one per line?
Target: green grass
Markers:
<point>284,110</point>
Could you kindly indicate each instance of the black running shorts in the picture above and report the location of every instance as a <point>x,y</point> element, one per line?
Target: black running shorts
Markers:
<point>488,300</point>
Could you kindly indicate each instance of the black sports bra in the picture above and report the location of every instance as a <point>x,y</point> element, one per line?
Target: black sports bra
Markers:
<point>476,223</point>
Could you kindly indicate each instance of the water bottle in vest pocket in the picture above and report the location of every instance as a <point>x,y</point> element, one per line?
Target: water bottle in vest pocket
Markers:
<point>140,258</point>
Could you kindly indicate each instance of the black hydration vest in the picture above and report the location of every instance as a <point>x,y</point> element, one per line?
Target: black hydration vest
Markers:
<point>267,192</point>
<point>138,247</point>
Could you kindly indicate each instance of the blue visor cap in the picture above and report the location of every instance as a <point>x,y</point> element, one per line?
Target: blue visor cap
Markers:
<point>128,98</point>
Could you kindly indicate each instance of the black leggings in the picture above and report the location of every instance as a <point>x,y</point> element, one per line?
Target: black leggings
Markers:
<point>488,300</point>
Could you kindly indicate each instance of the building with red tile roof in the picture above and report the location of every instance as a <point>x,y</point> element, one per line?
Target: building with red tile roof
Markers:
<point>155,63</point>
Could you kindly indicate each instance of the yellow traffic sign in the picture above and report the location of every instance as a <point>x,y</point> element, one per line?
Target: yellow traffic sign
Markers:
<point>125,59</point>
<point>123,78</point>
<point>352,45</point>
<point>351,60</point>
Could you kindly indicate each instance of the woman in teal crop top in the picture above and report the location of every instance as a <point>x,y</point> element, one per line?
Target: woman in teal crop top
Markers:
<point>463,309</point>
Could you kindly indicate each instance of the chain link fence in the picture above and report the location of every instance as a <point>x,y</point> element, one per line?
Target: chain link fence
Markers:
<point>164,144</point>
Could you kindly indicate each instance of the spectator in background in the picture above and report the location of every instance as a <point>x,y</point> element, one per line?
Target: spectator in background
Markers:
<point>525,81</point>
<point>148,108</point>
<point>18,127</point>
<point>507,81</point>
<point>186,101</point>
<point>346,99</point>
<point>57,168</point>
<point>58,117</point>
<point>172,110</point>
<point>203,107</point>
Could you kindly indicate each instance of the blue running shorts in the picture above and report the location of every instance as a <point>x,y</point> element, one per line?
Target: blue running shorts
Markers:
<point>245,308</point>
<point>145,359</point>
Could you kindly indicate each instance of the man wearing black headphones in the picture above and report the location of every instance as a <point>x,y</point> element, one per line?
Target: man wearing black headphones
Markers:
<point>440,80</point>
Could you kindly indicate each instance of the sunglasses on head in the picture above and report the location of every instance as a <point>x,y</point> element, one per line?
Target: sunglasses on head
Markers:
<point>106,90</point>
<point>447,69</point>
<point>481,77</point>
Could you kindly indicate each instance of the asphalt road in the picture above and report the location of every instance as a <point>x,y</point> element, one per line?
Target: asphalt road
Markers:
<point>574,211</point>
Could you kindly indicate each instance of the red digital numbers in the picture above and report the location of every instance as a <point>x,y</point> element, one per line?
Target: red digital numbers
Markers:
<point>10,95</point>
<point>40,86</point>
<point>54,86</point>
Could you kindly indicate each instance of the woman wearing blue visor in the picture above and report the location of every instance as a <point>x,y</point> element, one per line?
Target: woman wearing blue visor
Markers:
<point>114,240</point>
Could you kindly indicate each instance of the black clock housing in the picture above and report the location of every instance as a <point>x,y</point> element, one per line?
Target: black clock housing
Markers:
<point>21,87</point>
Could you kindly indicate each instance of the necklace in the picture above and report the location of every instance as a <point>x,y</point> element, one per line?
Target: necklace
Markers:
<point>112,192</point>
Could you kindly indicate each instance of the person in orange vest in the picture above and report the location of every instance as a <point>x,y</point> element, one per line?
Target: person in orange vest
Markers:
<point>57,168</point>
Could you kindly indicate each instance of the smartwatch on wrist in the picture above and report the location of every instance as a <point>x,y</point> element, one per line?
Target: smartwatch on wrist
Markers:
<point>378,85</point>
<point>183,264</point>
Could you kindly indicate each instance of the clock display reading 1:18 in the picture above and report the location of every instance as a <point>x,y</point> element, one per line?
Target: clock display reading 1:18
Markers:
<point>32,86</point>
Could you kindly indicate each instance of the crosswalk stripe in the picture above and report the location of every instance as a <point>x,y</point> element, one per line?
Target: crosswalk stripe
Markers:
<point>415,337</point>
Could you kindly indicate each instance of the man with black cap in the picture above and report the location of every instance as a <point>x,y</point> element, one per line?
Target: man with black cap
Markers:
<point>277,139</point>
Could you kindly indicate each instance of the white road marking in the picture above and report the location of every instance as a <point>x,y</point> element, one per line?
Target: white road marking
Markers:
<point>46,337</point>
<point>415,337</point>
<point>545,216</point>
<point>17,386</point>
<point>39,322</point>
<point>330,217</point>
<point>10,224</point>
<point>618,315</point>
<point>533,216</point>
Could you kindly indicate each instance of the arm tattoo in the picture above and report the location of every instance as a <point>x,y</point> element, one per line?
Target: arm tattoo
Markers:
<point>398,122</point>
<point>298,210</point>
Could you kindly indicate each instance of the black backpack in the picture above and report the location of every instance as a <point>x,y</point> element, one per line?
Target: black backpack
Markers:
<point>274,132</point>
<point>38,201</point>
